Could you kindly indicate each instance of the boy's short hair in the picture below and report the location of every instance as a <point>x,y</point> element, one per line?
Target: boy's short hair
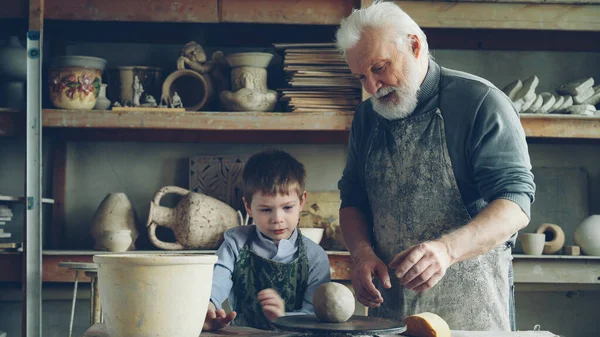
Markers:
<point>272,172</point>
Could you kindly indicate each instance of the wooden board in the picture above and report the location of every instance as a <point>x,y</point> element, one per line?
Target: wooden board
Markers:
<point>495,15</point>
<point>318,12</point>
<point>134,10</point>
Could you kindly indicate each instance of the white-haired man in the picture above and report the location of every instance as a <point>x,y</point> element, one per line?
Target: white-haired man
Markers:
<point>437,180</point>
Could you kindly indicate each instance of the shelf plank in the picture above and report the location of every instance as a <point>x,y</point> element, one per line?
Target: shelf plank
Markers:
<point>318,12</point>
<point>561,126</point>
<point>14,9</point>
<point>574,16</point>
<point>196,120</point>
<point>536,126</point>
<point>194,11</point>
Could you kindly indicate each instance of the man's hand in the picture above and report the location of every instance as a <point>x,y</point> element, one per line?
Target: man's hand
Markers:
<point>422,266</point>
<point>217,319</point>
<point>272,304</point>
<point>367,266</point>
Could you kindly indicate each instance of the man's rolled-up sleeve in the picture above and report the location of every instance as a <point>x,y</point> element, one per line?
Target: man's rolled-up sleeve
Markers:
<point>499,153</point>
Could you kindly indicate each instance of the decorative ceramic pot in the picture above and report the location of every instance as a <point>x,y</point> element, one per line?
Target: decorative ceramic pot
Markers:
<point>102,103</point>
<point>159,295</point>
<point>75,81</point>
<point>121,81</point>
<point>196,90</point>
<point>115,212</point>
<point>116,240</point>
<point>13,60</point>
<point>12,94</point>
<point>249,90</point>
<point>587,235</point>
<point>198,221</point>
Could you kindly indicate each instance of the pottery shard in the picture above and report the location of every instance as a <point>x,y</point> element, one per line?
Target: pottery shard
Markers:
<point>539,100</point>
<point>595,98</point>
<point>581,109</point>
<point>527,104</point>
<point>547,104</point>
<point>512,89</point>
<point>567,103</point>
<point>589,92</point>
<point>557,104</point>
<point>527,93</point>
<point>576,87</point>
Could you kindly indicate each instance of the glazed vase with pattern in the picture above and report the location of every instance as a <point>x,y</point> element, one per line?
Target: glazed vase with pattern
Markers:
<point>75,81</point>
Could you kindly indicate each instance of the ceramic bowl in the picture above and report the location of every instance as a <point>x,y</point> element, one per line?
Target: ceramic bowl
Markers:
<point>259,60</point>
<point>75,81</point>
<point>315,234</point>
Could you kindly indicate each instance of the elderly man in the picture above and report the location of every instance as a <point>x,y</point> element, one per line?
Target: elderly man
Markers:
<point>437,180</point>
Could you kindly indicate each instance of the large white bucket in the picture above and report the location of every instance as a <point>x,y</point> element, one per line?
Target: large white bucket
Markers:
<point>159,295</point>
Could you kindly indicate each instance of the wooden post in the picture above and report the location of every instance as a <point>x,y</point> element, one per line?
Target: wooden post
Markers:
<point>59,181</point>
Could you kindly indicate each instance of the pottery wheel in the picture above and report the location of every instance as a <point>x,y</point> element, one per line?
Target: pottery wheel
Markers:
<point>356,325</point>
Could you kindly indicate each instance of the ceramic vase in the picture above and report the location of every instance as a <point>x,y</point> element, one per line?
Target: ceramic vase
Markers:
<point>117,240</point>
<point>533,243</point>
<point>102,103</point>
<point>159,295</point>
<point>249,90</point>
<point>75,81</point>
<point>13,60</point>
<point>587,235</point>
<point>198,221</point>
<point>114,213</point>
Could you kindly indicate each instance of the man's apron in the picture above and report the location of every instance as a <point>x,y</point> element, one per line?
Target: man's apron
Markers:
<point>253,273</point>
<point>414,197</point>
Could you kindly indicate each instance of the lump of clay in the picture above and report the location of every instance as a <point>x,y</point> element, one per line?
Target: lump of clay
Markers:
<point>333,303</point>
<point>576,87</point>
<point>426,324</point>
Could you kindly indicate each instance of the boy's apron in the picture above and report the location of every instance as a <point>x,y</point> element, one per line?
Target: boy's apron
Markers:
<point>414,198</point>
<point>253,273</point>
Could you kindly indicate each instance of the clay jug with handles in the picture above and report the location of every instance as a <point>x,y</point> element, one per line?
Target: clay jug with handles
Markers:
<point>198,221</point>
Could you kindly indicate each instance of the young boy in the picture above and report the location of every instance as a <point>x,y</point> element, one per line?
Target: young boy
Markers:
<point>267,269</point>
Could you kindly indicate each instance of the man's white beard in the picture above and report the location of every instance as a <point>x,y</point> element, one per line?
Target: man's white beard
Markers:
<point>405,100</point>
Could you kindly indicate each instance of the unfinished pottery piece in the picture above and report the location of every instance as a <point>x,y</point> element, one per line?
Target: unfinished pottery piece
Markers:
<point>555,237</point>
<point>155,295</point>
<point>533,243</point>
<point>333,302</point>
<point>198,221</point>
<point>115,212</point>
<point>587,235</point>
<point>116,240</point>
<point>249,90</point>
<point>75,81</point>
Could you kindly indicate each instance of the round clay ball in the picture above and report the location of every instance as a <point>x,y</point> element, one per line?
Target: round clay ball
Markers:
<point>333,303</point>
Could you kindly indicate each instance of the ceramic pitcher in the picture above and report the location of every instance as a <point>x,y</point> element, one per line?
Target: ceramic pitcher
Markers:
<point>198,221</point>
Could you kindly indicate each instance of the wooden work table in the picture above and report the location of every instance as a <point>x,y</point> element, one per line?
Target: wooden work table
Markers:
<point>99,330</point>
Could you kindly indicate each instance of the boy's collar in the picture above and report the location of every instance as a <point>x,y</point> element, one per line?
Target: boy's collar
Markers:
<point>262,237</point>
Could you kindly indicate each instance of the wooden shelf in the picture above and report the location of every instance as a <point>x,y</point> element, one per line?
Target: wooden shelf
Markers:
<point>197,120</point>
<point>203,11</point>
<point>11,263</point>
<point>583,15</point>
<point>549,269</point>
<point>561,126</point>
<point>536,126</point>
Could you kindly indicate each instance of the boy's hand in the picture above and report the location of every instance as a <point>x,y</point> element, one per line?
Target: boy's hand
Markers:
<point>272,304</point>
<point>217,319</point>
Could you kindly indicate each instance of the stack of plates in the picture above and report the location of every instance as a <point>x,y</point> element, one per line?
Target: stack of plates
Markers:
<point>318,79</point>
